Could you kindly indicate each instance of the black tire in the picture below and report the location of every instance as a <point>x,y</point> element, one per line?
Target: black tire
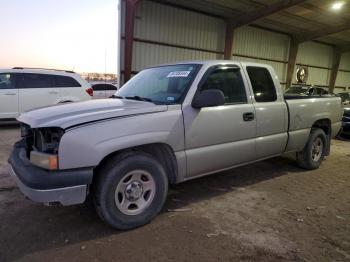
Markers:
<point>304,158</point>
<point>109,177</point>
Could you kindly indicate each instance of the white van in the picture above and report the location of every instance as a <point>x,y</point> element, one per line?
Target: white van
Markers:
<point>23,89</point>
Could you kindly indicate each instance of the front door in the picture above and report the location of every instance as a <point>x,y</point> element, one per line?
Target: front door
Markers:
<point>220,137</point>
<point>8,96</point>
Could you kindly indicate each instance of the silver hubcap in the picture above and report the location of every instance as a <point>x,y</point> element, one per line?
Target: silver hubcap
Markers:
<point>135,192</point>
<point>317,149</point>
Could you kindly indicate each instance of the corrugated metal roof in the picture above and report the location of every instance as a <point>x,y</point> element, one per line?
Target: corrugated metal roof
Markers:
<point>304,18</point>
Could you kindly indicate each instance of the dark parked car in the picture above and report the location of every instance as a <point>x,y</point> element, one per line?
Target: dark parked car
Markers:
<point>346,122</point>
<point>345,97</point>
<point>103,90</point>
<point>307,90</point>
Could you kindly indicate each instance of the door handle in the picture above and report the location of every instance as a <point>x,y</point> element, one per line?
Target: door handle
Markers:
<point>248,116</point>
<point>10,94</point>
<point>53,92</point>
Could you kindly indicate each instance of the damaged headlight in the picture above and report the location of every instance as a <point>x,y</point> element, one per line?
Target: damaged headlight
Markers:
<point>42,145</point>
<point>46,140</point>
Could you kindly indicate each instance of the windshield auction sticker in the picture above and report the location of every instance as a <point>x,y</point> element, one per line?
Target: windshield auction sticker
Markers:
<point>179,74</point>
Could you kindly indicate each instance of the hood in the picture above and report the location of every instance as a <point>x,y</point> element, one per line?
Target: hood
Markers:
<point>72,114</point>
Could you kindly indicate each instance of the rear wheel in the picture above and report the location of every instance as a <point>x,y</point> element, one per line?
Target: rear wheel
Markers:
<point>314,151</point>
<point>130,190</point>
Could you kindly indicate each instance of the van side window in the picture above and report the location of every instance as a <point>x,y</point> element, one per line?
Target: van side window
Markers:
<point>230,82</point>
<point>262,84</point>
<point>26,80</point>
<point>7,81</point>
<point>66,81</point>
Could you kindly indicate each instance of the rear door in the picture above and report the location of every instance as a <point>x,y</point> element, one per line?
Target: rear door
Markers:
<point>271,112</point>
<point>8,96</point>
<point>70,89</point>
<point>36,90</point>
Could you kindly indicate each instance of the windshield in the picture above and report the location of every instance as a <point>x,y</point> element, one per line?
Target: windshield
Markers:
<point>296,90</point>
<point>160,85</point>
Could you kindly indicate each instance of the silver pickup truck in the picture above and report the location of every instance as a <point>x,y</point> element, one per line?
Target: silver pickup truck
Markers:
<point>168,124</point>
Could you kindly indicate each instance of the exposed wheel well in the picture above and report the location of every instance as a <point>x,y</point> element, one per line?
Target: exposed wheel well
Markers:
<point>325,125</point>
<point>162,152</point>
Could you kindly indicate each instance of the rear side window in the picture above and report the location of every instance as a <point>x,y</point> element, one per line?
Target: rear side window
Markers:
<point>66,81</point>
<point>111,88</point>
<point>102,87</point>
<point>229,81</point>
<point>262,84</point>
<point>7,81</point>
<point>35,81</point>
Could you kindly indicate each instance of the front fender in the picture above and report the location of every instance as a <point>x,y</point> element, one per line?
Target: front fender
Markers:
<point>86,146</point>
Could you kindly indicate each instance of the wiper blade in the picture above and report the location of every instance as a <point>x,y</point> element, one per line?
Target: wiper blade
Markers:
<point>139,98</point>
<point>114,96</point>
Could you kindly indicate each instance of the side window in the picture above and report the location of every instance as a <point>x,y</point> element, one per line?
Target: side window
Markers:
<point>98,87</point>
<point>262,84</point>
<point>7,81</point>
<point>66,81</point>
<point>230,82</point>
<point>101,87</point>
<point>111,87</point>
<point>34,81</point>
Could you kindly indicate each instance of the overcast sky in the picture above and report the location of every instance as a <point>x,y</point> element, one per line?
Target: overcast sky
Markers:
<point>65,34</point>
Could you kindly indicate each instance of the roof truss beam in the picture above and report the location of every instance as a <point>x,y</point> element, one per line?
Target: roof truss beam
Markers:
<point>343,49</point>
<point>325,32</point>
<point>264,12</point>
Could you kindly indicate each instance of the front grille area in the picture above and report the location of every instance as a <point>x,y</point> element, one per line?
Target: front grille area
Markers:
<point>28,136</point>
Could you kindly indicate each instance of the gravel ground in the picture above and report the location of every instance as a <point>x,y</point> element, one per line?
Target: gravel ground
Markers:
<point>269,211</point>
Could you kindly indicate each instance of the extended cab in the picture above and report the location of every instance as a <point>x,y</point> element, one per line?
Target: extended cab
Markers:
<point>168,124</point>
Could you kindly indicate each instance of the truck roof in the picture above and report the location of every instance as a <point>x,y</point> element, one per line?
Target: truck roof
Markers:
<point>214,62</point>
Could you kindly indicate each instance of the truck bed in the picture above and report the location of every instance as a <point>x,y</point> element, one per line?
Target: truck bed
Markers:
<point>305,111</point>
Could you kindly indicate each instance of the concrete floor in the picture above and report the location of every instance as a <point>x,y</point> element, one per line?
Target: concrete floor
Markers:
<point>269,211</point>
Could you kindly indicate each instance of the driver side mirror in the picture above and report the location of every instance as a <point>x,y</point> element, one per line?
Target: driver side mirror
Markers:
<point>209,98</point>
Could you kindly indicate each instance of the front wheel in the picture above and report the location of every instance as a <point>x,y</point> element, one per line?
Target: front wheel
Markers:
<point>312,155</point>
<point>130,190</point>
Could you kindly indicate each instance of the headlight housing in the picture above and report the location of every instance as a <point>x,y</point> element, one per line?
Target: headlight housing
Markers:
<point>46,161</point>
<point>42,145</point>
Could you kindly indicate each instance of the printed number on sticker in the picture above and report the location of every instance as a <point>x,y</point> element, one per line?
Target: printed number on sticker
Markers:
<point>179,74</point>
